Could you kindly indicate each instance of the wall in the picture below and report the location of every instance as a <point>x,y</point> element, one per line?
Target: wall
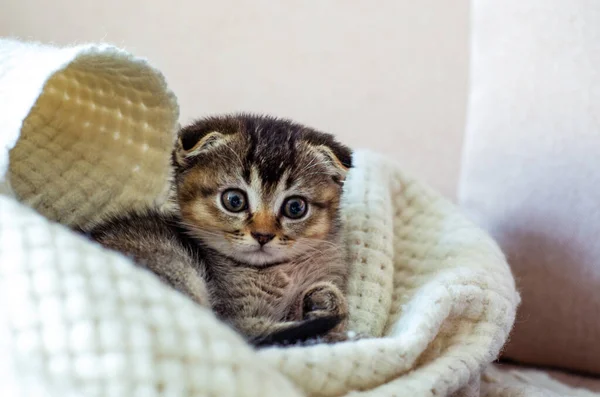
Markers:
<point>391,78</point>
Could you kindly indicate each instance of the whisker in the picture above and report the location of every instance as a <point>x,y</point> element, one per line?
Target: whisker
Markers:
<point>236,155</point>
<point>313,163</point>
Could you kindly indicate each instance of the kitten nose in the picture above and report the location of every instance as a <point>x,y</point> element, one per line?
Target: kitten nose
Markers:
<point>263,238</point>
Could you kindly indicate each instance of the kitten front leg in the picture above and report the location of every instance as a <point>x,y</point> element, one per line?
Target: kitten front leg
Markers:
<point>152,242</point>
<point>324,299</point>
<point>185,278</point>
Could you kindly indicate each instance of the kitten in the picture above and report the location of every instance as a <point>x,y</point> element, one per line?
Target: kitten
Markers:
<point>256,234</point>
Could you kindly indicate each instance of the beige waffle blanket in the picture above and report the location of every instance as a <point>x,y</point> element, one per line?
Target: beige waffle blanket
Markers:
<point>86,131</point>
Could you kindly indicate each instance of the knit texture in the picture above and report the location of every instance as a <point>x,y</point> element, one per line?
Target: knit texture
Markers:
<point>96,141</point>
<point>431,293</point>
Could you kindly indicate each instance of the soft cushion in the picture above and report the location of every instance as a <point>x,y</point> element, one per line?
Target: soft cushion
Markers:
<point>531,173</point>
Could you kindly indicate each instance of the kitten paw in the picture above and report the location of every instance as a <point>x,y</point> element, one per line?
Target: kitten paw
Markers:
<point>322,300</point>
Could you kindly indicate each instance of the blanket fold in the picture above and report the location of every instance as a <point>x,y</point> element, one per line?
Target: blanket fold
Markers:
<point>431,292</point>
<point>94,127</point>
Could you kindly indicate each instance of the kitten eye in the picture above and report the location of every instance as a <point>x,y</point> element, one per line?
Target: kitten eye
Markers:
<point>234,200</point>
<point>294,208</point>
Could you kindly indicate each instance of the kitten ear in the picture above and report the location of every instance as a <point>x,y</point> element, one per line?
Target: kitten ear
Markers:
<point>339,157</point>
<point>191,144</point>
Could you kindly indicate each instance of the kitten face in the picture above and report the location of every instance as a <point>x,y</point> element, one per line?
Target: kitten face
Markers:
<point>257,189</point>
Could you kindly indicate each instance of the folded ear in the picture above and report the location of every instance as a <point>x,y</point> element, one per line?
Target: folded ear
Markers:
<point>339,160</point>
<point>192,143</point>
<point>338,156</point>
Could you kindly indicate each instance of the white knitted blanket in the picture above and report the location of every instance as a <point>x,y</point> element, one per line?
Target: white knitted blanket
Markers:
<point>89,130</point>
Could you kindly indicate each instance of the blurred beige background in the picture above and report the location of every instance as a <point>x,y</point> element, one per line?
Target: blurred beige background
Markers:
<point>390,77</point>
